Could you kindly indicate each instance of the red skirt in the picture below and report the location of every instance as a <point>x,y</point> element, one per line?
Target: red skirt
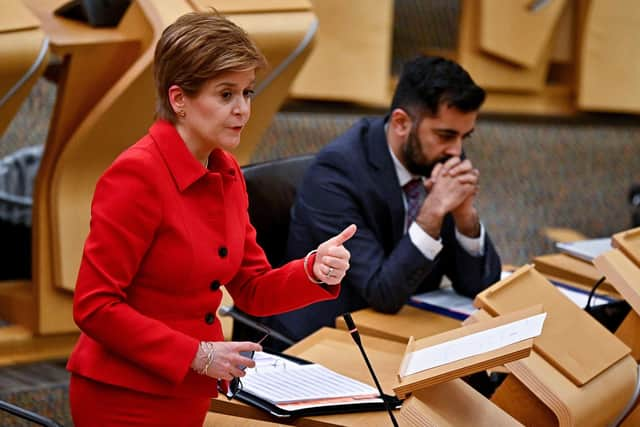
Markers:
<point>95,404</point>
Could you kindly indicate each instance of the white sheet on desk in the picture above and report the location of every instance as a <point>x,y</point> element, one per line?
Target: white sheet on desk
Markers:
<point>586,249</point>
<point>446,298</point>
<point>580,297</point>
<point>289,383</point>
<point>474,344</point>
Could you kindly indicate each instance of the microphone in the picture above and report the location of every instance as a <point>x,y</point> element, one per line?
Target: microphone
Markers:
<point>242,318</point>
<point>351,326</point>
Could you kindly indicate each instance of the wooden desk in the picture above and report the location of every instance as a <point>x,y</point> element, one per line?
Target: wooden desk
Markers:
<point>570,270</point>
<point>568,383</point>
<point>408,322</point>
<point>220,420</point>
<point>322,347</point>
<point>453,403</point>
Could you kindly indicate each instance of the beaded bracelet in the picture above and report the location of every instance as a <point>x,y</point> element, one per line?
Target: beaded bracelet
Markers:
<point>306,261</point>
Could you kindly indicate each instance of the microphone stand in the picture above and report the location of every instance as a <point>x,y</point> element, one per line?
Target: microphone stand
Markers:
<point>27,415</point>
<point>353,331</point>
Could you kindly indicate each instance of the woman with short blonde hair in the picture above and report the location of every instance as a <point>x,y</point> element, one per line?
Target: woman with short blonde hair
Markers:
<point>169,228</point>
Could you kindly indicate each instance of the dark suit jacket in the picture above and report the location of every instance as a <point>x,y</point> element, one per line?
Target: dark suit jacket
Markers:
<point>353,180</point>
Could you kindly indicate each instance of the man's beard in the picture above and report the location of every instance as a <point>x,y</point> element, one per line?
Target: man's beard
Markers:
<point>415,161</point>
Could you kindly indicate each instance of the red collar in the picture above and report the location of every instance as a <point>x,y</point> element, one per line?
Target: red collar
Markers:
<point>182,164</point>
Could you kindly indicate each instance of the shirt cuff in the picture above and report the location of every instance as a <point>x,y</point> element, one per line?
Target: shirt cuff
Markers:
<point>473,245</point>
<point>427,245</point>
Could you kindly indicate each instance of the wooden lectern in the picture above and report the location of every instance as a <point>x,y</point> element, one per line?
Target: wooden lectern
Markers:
<point>430,403</point>
<point>453,403</point>
<point>629,243</point>
<point>477,358</point>
<point>435,407</point>
<point>564,381</point>
<point>621,266</point>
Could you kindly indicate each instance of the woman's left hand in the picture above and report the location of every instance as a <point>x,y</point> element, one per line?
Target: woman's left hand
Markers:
<point>332,258</point>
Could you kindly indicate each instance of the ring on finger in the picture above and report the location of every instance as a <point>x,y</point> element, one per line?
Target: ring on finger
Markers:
<point>329,272</point>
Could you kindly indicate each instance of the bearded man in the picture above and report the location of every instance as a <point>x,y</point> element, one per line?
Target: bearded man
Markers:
<point>403,179</point>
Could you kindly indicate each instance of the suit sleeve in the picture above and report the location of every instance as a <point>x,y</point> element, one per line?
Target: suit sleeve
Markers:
<point>469,274</point>
<point>329,200</point>
<point>384,275</point>
<point>126,212</point>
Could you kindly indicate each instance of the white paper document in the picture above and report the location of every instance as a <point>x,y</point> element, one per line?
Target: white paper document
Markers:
<point>447,299</point>
<point>288,383</point>
<point>586,249</point>
<point>474,344</point>
<point>580,298</point>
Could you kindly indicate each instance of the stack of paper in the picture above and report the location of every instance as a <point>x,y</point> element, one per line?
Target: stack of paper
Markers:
<point>445,301</point>
<point>585,249</point>
<point>293,386</point>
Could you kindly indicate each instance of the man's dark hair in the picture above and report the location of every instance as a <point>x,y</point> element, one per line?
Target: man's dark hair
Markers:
<point>427,82</point>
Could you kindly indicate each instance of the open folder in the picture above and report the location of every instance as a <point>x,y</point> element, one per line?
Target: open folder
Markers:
<point>286,386</point>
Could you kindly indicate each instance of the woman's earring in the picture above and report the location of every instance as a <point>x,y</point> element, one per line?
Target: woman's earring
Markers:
<point>181,113</point>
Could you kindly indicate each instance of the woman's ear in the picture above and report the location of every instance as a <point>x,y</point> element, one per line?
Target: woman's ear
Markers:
<point>176,99</point>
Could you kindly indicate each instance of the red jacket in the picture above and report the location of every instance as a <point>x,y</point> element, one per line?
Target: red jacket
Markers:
<point>165,234</point>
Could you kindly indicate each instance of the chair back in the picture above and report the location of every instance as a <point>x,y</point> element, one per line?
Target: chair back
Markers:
<point>272,187</point>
